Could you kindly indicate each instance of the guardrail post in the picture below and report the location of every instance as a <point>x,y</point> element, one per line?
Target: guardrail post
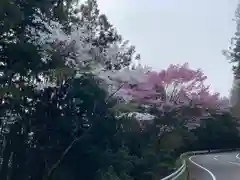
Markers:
<point>188,173</point>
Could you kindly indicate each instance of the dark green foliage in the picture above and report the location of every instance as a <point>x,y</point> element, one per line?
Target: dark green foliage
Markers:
<point>218,132</point>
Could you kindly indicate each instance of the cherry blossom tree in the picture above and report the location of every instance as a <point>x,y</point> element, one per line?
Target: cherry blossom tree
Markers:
<point>77,46</point>
<point>80,50</point>
<point>177,85</point>
<point>178,90</point>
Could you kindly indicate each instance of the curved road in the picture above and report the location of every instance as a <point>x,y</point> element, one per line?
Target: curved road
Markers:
<point>220,166</point>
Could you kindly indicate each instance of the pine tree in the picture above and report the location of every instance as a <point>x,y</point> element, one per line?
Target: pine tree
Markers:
<point>233,54</point>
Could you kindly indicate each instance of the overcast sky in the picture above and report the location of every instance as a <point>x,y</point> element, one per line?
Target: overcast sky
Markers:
<point>178,31</point>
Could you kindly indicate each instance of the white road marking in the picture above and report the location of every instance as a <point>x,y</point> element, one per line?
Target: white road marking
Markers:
<point>212,175</point>
<point>234,163</point>
<point>238,156</point>
<point>215,158</point>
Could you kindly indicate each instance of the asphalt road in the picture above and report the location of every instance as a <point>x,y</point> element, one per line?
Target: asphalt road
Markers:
<point>221,166</point>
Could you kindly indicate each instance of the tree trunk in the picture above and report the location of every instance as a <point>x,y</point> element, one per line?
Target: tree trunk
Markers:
<point>6,157</point>
<point>19,158</point>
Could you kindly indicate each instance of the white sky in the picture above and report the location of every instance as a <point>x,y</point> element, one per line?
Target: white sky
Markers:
<point>178,31</point>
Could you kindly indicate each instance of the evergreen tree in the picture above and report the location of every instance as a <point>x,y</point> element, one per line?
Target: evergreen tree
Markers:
<point>40,126</point>
<point>21,64</point>
<point>233,54</point>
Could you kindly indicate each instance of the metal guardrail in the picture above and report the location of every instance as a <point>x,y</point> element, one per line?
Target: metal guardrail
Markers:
<point>177,173</point>
<point>183,167</point>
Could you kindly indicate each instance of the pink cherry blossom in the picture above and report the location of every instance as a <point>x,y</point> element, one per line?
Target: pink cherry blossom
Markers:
<point>177,85</point>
